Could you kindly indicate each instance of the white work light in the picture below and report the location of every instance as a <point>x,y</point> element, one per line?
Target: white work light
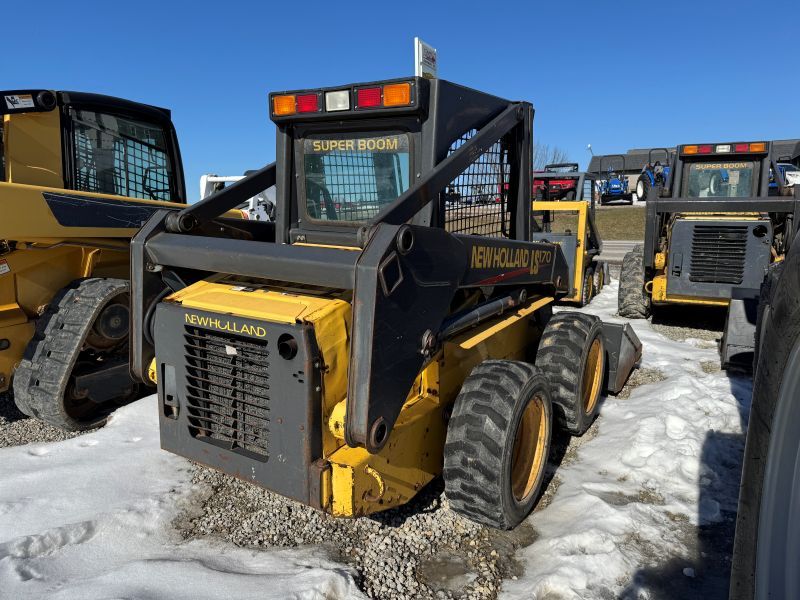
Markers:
<point>337,101</point>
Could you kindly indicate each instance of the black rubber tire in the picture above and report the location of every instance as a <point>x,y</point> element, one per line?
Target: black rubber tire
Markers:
<point>644,180</point>
<point>765,304</point>
<point>42,378</point>
<point>587,287</point>
<point>599,269</point>
<point>479,446</point>
<point>632,300</point>
<point>562,356</point>
<point>768,519</point>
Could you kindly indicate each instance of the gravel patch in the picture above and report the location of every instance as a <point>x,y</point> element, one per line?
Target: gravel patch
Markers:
<point>681,323</point>
<point>641,376</point>
<point>421,550</point>
<point>17,428</point>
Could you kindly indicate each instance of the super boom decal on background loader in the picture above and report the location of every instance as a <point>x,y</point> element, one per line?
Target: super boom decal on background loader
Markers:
<point>406,320</point>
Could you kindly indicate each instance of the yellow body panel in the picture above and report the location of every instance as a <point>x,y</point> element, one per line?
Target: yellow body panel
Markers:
<point>581,256</point>
<point>355,482</point>
<point>660,295</point>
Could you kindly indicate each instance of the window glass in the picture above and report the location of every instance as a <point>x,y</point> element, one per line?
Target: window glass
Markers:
<point>351,179</point>
<point>723,179</point>
<point>117,155</point>
<point>2,150</point>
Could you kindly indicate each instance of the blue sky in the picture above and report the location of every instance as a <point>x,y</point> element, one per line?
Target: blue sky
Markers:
<point>613,74</point>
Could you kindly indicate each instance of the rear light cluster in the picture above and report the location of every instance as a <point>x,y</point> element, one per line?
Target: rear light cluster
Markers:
<point>725,148</point>
<point>378,96</point>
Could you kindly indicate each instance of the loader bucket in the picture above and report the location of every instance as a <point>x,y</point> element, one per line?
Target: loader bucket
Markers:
<point>623,352</point>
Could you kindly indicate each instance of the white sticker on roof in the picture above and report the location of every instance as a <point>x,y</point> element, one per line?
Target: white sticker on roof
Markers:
<point>18,101</point>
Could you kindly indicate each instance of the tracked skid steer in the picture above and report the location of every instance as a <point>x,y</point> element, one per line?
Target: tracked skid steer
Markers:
<point>79,174</point>
<point>391,325</point>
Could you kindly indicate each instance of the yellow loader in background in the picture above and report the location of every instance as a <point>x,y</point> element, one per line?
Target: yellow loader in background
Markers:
<point>79,174</point>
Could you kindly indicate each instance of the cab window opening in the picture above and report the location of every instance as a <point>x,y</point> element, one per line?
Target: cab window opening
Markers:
<point>351,179</point>
<point>121,156</point>
<point>728,179</point>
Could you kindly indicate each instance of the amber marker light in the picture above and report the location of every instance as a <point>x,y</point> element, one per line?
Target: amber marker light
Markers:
<point>284,105</point>
<point>397,94</point>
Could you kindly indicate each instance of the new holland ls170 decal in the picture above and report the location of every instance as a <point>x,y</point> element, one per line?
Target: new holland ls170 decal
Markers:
<point>499,261</point>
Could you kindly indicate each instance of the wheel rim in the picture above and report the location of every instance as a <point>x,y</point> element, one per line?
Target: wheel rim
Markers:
<point>640,190</point>
<point>527,459</point>
<point>592,376</point>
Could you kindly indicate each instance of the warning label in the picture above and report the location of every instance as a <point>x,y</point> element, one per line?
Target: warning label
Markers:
<point>4,268</point>
<point>19,101</point>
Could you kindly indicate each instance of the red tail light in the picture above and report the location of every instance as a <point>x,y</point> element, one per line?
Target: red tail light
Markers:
<point>308,103</point>
<point>369,97</point>
<point>742,147</point>
<point>704,149</point>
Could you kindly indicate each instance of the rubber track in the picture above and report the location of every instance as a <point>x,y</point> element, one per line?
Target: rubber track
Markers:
<point>41,378</point>
<point>561,350</point>
<point>632,299</point>
<point>473,452</point>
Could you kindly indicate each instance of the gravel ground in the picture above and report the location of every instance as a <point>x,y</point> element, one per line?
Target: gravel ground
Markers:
<point>421,550</point>
<point>17,429</point>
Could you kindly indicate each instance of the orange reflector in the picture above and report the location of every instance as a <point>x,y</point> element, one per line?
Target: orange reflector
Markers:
<point>690,149</point>
<point>397,94</point>
<point>283,105</point>
<point>758,147</point>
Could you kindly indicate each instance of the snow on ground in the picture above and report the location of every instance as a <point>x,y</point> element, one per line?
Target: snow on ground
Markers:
<point>91,517</point>
<point>632,510</point>
<point>634,514</point>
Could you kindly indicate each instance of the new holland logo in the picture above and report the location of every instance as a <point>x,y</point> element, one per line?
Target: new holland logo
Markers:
<point>225,325</point>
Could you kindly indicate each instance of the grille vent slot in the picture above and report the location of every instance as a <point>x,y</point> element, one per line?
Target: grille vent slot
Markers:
<point>718,254</point>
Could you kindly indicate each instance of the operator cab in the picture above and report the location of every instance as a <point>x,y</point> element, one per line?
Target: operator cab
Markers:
<point>355,149</point>
<point>733,170</point>
<point>345,175</point>
<point>89,142</point>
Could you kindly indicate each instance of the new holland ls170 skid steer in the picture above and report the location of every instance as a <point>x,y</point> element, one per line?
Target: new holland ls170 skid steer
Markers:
<point>712,238</point>
<point>378,333</point>
<point>79,174</point>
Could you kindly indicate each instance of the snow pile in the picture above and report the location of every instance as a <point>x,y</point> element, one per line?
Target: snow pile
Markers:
<point>91,517</point>
<point>665,461</point>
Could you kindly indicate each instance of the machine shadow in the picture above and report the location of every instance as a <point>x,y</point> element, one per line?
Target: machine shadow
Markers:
<point>8,410</point>
<point>704,570</point>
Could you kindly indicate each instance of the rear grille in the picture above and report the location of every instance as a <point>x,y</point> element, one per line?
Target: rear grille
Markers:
<point>227,390</point>
<point>718,253</point>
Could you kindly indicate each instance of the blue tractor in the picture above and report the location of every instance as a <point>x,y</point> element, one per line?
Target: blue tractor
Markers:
<point>615,184</point>
<point>655,174</point>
